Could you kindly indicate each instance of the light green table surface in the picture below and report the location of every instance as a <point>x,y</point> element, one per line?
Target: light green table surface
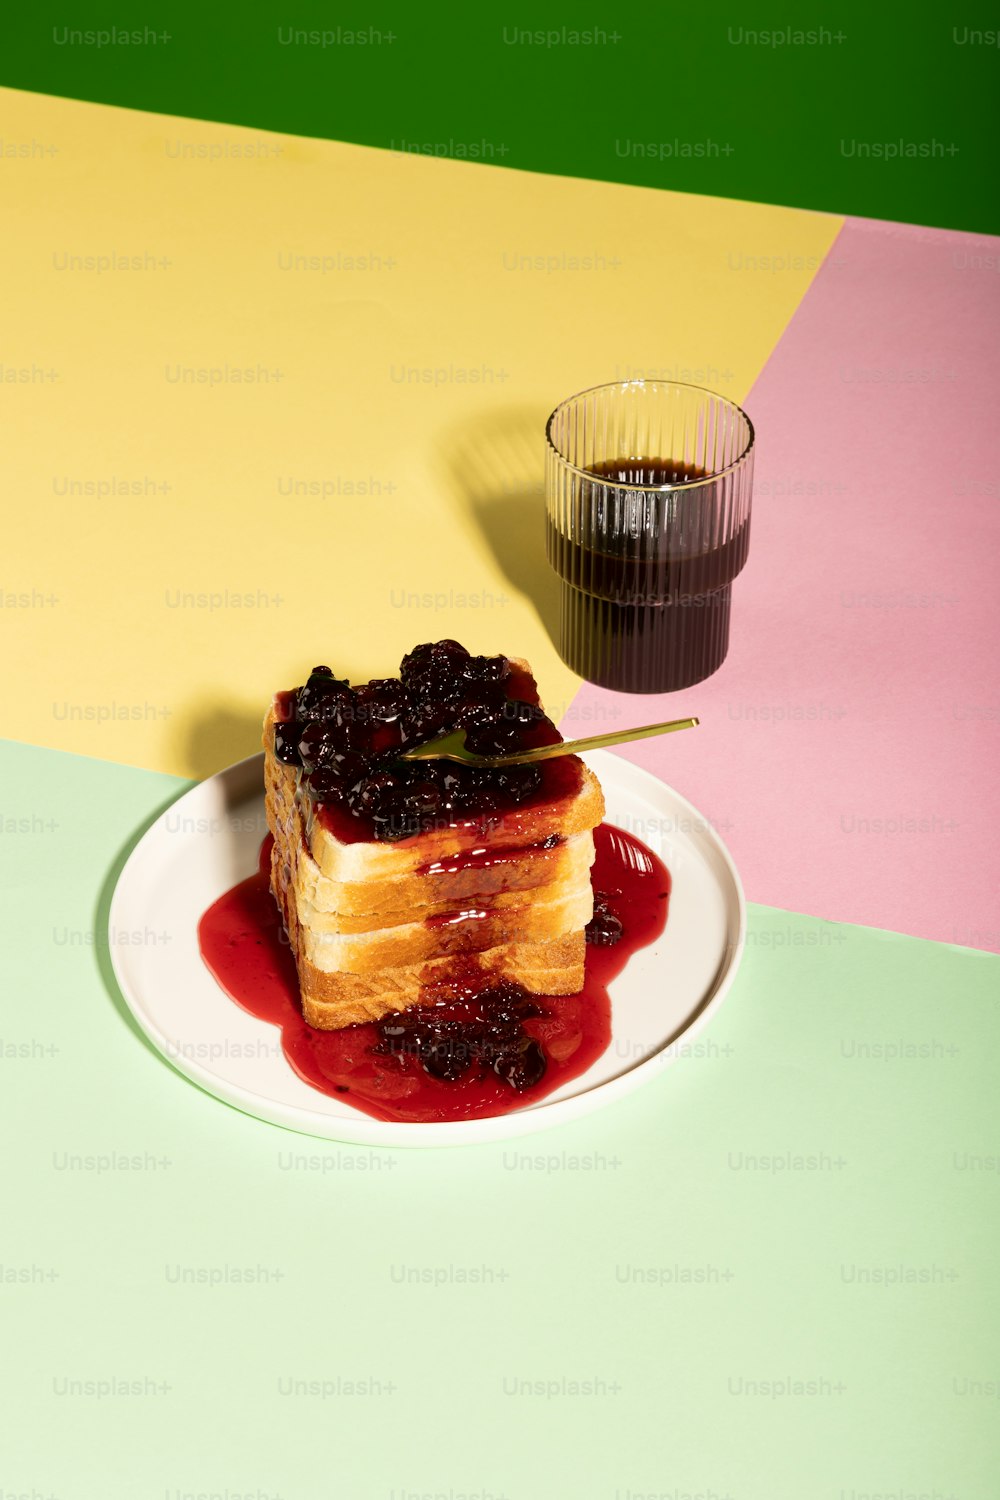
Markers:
<point>768,1275</point>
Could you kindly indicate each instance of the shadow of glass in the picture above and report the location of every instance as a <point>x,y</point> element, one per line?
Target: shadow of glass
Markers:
<point>496,464</point>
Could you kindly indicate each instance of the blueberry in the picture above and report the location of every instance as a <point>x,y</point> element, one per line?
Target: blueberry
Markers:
<point>435,668</point>
<point>486,669</point>
<point>519,782</point>
<point>445,777</point>
<point>316,700</point>
<point>493,739</point>
<point>471,713</point>
<point>425,719</point>
<point>382,701</point>
<point>349,766</point>
<point>326,786</point>
<point>523,1066</point>
<point>604,928</point>
<point>493,1041</point>
<point>419,661</point>
<point>416,661</point>
<point>286,742</point>
<point>316,745</point>
<point>375,791</point>
<point>525,715</point>
<point>350,720</point>
<point>444,1055</point>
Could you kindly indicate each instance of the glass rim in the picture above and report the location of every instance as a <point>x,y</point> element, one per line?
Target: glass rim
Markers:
<point>653,489</point>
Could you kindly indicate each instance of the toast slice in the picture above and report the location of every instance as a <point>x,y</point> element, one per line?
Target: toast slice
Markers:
<point>376,926</point>
<point>503,880</point>
<point>333,1000</point>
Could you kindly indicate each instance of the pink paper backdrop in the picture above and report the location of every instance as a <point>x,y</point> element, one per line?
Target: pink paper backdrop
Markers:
<point>849,746</point>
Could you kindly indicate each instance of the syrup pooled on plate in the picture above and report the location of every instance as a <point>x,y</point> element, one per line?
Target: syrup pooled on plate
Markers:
<point>495,1049</point>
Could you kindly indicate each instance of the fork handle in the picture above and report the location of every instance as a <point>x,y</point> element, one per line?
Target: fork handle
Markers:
<point>575,747</point>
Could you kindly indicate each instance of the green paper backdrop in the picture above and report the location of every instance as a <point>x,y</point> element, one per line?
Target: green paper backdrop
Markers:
<point>851,108</point>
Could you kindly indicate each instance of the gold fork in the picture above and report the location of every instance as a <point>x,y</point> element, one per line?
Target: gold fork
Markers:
<point>451,746</point>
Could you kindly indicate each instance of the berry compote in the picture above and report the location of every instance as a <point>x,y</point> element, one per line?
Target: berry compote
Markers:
<point>347,741</point>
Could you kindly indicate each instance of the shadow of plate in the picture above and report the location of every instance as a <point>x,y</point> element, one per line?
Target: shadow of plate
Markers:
<point>102,918</point>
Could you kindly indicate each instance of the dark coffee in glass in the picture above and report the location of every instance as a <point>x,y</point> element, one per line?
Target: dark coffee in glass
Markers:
<point>648,491</point>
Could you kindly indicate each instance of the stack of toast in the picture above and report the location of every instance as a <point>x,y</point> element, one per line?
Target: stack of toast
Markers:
<point>376,927</point>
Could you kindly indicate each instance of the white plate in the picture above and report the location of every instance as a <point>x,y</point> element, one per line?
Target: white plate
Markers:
<point>208,840</point>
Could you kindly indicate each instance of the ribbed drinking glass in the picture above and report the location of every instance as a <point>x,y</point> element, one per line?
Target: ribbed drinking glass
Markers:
<point>648,488</point>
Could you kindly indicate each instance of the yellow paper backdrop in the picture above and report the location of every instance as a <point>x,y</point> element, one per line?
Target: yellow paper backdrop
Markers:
<point>272,401</point>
